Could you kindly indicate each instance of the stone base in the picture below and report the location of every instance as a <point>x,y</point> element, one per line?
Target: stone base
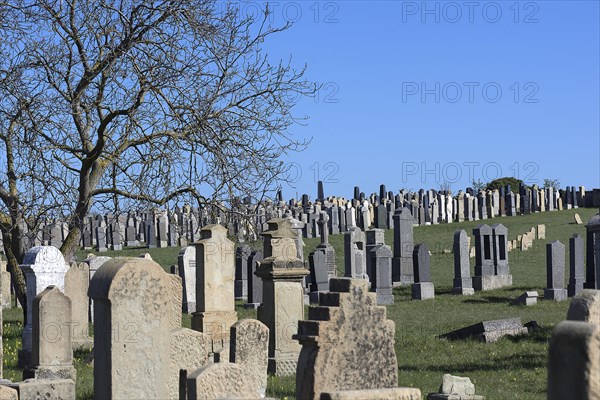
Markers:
<point>53,372</point>
<point>573,288</point>
<point>555,294</point>
<point>463,291</point>
<point>385,297</point>
<point>282,367</point>
<point>440,396</point>
<point>401,393</point>
<point>423,291</point>
<point>117,247</point>
<point>491,282</point>
<point>134,243</point>
<point>251,305</point>
<point>62,389</point>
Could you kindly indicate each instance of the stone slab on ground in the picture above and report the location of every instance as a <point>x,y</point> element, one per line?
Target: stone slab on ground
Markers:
<point>401,393</point>
<point>488,331</point>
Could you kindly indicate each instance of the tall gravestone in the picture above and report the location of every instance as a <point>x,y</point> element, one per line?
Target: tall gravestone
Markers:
<point>592,263</point>
<point>52,352</point>
<point>462,267</point>
<point>423,288</point>
<point>254,282</point>
<point>355,264</point>
<point>555,272</point>
<point>347,343</point>
<point>215,274</point>
<point>381,274</point>
<point>186,262</point>
<point>576,265</point>
<point>140,349</point>
<point>42,266</point>
<point>242,257</point>
<point>491,257</point>
<point>77,282</point>
<point>402,262</point>
<point>282,273</point>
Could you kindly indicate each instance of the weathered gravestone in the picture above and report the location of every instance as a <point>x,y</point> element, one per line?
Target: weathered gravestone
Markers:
<point>555,272</point>
<point>5,299</point>
<point>462,267</point>
<point>221,381</point>
<point>140,348</point>
<point>347,343</point>
<point>250,349</point>
<point>215,274</point>
<point>186,263</point>
<point>455,388</point>
<point>42,266</point>
<point>355,262</point>
<point>283,295</point>
<point>423,288</point>
<point>402,262</point>
<point>52,352</point>
<point>574,352</point>
<point>381,274</point>
<point>77,282</point>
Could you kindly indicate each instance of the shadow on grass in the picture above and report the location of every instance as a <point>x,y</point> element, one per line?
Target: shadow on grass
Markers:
<point>526,361</point>
<point>488,300</point>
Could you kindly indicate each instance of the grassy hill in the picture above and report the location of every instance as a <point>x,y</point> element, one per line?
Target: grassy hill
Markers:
<point>513,368</point>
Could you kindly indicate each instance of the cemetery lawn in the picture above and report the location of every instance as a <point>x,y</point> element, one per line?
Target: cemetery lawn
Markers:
<point>512,368</point>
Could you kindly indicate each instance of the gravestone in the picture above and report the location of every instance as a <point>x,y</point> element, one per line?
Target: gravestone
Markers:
<point>488,331</point>
<point>402,262</point>
<point>347,343</point>
<point>215,274</point>
<point>455,388</point>
<point>254,282</point>
<point>462,268</point>
<point>578,220</point>
<point>423,288</point>
<point>77,282</point>
<point>576,265</point>
<point>140,348</point>
<point>186,263</point>
<point>242,257</point>
<point>283,295</point>
<point>355,264</point>
<point>52,352</point>
<point>491,257</point>
<point>375,239</point>
<point>555,272</point>
<point>42,266</point>
<point>528,298</point>
<point>221,381</point>
<point>574,361</point>
<point>381,274</point>
<point>592,263</point>
<point>5,298</point>
<point>319,279</point>
<point>541,231</point>
<point>250,349</point>
<point>325,248</point>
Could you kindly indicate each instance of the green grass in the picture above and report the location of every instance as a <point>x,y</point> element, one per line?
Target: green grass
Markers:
<point>513,368</point>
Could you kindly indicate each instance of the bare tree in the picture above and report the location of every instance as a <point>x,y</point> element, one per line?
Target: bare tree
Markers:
<point>144,100</point>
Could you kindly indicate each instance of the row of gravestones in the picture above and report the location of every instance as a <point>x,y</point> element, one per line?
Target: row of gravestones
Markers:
<point>141,351</point>
<point>177,228</point>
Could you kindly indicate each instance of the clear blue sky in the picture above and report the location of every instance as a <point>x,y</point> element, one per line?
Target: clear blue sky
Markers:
<point>411,92</point>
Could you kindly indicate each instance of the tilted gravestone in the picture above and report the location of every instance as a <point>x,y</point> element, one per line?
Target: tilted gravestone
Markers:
<point>462,266</point>
<point>347,343</point>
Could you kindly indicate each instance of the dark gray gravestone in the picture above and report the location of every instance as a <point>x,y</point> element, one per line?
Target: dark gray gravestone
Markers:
<point>254,282</point>
<point>576,265</point>
<point>555,272</point>
<point>484,262</point>
<point>500,249</point>
<point>381,275</point>
<point>422,289</point>
<point>462,266</point>
<point>242,258</point>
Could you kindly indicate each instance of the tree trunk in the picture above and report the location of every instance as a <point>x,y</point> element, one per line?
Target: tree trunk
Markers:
<point>69,246</point>
<point>12,242</point>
